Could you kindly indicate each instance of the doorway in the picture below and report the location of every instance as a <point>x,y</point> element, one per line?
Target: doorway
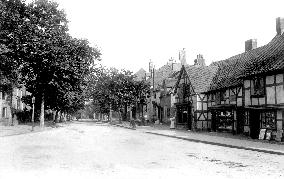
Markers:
<point>254,123</point>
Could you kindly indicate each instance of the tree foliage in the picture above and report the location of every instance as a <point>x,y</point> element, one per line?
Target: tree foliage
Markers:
<point>116,89</point>
<point>38,52</point>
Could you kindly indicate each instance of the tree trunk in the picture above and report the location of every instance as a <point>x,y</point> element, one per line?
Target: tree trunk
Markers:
<point>54,116</point>
<point>57,117</point>
<point>41,119</point>
<point>119,117</point>
<point>64,117</point>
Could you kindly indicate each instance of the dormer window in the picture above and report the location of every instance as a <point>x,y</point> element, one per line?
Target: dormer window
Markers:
<point>258,88</point>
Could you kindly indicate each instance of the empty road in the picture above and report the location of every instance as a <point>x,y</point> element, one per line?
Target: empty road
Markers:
<point>90,150</point>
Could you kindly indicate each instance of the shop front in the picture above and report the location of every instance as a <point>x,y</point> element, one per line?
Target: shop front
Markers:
<point>183,115</point>
<point>224,118</point>
<point>262,119</point>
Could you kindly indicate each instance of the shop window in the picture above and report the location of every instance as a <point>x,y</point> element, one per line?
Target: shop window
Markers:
<point>268,120</point>
<point>258,88</point>
<point>225,120</point>
<point>168,112</point>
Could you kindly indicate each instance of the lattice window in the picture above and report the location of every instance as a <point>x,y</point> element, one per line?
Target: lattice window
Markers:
<point>258,87</point>
<point>268,119</point>
<point>223,95</point>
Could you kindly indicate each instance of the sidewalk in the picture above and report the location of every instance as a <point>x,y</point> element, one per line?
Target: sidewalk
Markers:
<point>25,128</point>
<point>213,138</point>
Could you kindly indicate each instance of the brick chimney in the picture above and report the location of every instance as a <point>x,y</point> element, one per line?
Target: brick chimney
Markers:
<point>279,25</point>
<point>250,44</point>
<point>199,60</point>
<point>182,57</point>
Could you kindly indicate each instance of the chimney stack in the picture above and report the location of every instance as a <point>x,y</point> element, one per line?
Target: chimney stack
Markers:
<point>250,44</point>
<point>199,60</point>
<point>150,66</point>
<point>171,62</point>
<point>182,57</point>
<point>279,25</point>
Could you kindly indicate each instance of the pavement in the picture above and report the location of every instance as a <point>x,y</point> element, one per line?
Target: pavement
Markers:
<point>27,128</point>
<point>213,138</point>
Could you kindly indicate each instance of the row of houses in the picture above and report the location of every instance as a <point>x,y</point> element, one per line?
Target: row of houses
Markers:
<point>10,103</point>
<point>241,94</point>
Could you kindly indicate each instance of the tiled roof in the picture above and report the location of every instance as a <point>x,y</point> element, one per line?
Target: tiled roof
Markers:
<point>248,63</point>
<point>201,76</point>
<point>162,73</point>
<point>140,74</point>
<point>170,82</point>
<point>271,60</point>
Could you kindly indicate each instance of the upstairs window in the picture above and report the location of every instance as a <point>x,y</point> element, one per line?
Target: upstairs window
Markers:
<point>258,88</point>
<point>223,95</point>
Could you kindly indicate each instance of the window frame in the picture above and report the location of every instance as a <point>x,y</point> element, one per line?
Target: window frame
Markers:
<point>258,87</point>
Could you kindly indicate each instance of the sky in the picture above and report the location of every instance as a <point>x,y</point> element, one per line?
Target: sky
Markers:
<point>129,33</point>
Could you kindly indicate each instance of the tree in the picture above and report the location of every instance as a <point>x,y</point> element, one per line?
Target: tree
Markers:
<point>48,61</point>
<point>116,89</point>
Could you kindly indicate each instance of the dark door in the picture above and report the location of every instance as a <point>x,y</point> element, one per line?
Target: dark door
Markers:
<point>240,120</point>
<point>213,121</point>
<point>254,123</point>
<point>189,118</point>
<point>161,114</point>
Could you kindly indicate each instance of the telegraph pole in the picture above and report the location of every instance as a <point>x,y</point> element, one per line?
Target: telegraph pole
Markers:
<point>33,114</point>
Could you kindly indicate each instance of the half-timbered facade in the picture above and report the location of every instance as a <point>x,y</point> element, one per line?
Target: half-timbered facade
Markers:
<point>246,94</point>
<point>191,103</point>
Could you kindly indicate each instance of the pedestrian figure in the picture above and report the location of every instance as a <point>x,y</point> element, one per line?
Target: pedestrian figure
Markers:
<point>132,123</point>
<point>172,126</point>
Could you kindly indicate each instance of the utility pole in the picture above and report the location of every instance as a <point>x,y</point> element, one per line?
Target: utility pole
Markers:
<point>33,114</point>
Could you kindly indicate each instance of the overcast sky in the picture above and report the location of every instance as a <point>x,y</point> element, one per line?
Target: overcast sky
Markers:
<point>130,32</point>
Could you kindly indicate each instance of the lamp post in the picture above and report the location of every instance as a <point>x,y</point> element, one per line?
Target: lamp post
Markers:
<point>33,114</point>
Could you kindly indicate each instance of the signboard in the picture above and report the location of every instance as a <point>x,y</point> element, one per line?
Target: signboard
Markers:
<point>262,134</point>
<point>268,134</point>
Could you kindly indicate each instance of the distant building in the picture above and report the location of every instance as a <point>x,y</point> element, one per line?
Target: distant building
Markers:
<point>10,103</point>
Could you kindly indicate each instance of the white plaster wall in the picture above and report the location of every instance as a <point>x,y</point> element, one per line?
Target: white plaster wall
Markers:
<point>261,101</point>
<point>240,92</point>
<point>240,102</point>
<point>198,98</point>
<point>247,83</point>
<point>269,79</point>
<point>280,94</point>
<point>254,101</point>
<point>199,106</point>
<point>279,78</point>
<point>204,106</point>
<point>247,98</point>
<point>201,117</point>
<point>270,93</point>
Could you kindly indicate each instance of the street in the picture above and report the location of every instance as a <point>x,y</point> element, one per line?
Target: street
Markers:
<point>92,150</point>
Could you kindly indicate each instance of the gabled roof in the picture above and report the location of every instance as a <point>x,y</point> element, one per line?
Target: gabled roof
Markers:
<point>200,76</point>
<point>164,72</point>
<point>262,59</point>
<point>271,60</point>
<point>140,74</point>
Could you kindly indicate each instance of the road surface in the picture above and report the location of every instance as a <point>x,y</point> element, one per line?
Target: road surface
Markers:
<point>90,150</point>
